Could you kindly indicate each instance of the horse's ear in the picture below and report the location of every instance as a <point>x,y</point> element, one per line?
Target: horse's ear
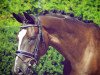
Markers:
<point>18,17</point>
<point>30,18</point>
<point>22,17</point>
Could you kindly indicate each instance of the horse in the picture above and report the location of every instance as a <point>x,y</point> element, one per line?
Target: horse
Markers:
<point>77,41</point>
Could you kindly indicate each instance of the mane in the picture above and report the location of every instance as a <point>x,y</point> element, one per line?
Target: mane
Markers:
<point>63,14</point>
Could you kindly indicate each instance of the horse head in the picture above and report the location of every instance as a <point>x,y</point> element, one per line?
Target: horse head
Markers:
<point>32,43</point>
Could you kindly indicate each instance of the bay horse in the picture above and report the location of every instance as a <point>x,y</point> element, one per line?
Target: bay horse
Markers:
<point>77,41</point>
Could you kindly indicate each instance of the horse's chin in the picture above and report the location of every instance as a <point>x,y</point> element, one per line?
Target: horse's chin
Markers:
<point>13,73</point>
<point>20,73</point>
<point>27,71</point>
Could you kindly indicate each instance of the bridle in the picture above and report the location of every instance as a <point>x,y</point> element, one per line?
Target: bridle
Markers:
<point>33,55</point>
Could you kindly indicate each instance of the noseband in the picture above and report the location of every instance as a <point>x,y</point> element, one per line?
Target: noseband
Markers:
<point>39,39</point>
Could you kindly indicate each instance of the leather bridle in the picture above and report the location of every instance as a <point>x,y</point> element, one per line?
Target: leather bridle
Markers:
<point>33,55</point>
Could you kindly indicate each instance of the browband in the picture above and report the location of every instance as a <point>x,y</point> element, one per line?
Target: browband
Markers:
<point>25,26</point>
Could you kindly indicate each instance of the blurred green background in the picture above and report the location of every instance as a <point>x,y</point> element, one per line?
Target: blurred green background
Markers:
<point>50,64</point>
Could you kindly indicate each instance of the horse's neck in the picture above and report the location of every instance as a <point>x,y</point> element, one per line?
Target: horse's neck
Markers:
<point>66,35</point>
<point>50,23</point>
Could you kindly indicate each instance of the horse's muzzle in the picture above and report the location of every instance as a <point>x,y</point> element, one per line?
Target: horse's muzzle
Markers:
<point>18,71</point>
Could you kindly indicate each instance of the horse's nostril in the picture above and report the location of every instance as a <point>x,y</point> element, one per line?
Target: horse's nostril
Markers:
<point>19,71</point>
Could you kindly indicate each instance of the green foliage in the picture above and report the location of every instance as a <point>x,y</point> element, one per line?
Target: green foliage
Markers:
<point>90,9</point>
<point>7,48</point>
<point>9,27</point>
<point>50,63</point>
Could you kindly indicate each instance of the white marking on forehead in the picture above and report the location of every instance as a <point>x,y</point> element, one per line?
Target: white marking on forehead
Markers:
<point>21,36</point>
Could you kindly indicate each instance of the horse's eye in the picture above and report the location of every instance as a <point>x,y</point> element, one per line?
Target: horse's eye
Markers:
<point>32,38</point>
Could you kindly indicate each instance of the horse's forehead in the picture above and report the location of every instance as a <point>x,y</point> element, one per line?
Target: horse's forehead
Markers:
<point>22,33</point>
